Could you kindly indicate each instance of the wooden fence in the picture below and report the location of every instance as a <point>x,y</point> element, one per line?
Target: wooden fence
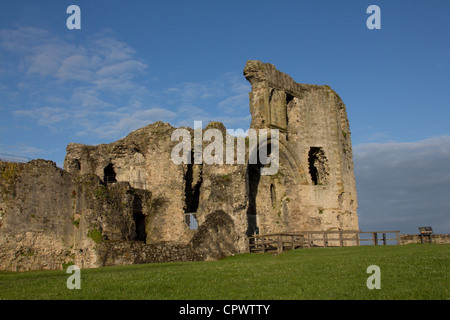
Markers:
<point>279,242</point>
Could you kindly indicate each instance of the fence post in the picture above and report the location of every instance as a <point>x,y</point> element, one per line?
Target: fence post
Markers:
<point>341,240</point>
<point>375,238</point>
<point>324,239</point>
<point>384,239</point>
<point>279,244</point>
<point>263,246</point>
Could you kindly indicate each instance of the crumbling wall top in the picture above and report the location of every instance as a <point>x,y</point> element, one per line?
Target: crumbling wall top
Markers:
<point>256,71</point>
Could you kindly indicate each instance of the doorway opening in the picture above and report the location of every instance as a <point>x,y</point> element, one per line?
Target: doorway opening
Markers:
<point>109,174</point>
<point>139,220</point>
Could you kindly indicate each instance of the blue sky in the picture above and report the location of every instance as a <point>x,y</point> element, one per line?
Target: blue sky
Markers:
<point>137,62</point>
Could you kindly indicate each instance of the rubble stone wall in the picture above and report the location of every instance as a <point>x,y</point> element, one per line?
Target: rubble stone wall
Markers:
<point>416,238</point>
<point>126,202</point>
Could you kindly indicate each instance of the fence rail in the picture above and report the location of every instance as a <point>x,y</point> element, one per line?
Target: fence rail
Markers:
<point>279,242</point>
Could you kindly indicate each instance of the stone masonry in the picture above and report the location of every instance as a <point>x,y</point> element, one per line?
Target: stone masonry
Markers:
<point>315,188</point>
<point>128,202</point>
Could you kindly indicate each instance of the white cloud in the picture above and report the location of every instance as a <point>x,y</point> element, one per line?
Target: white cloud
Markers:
<point>8,152</point>
<point>111,50</point>
<point>192,91</point>
<point>45,115</point>
<point>78,86</point>
<point>121,69</point>
<point>230,104</point>
<point>88,99</point>
<point>98,90</point>
<point>75,67</point>
<point>223,99</point>
<point>238,100</point>
<point>404,185</point>
<point>119,123</point>
<point>23,39</point>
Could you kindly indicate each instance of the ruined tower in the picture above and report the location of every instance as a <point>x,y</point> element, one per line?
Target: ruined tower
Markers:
<point>315,187</point>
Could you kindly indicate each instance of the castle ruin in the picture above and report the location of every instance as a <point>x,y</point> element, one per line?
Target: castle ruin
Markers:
<point>128,202</point>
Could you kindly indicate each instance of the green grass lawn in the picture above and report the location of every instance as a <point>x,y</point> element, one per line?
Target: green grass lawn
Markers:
<point>407,272</point>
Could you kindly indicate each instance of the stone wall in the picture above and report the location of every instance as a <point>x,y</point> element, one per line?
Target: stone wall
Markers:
<point>126,202</point>
<point>416,238</point>
<point>143,160</point>
<point>50,218</point>
<point>176,189</point>
<point>213,241</point>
